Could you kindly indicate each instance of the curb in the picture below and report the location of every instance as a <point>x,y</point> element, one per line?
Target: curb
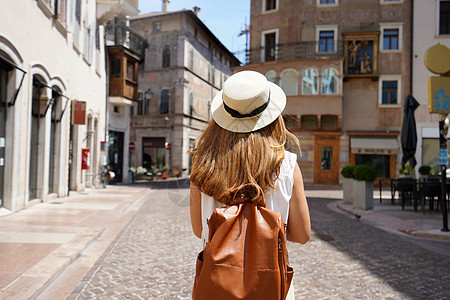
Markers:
<point>434,234</point>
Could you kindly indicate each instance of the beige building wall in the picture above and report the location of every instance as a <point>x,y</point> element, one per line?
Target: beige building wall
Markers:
<point>47,48</point>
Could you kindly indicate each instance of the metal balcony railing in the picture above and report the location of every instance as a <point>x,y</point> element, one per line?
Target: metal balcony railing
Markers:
<point>119,34</point>
<point>290,51</point>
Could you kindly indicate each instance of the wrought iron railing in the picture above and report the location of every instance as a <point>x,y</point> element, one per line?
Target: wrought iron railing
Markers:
<point>119,34</point>
<point>290,51</point>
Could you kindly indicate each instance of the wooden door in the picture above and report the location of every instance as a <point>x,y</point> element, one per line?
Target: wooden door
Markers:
<point>326,161</point>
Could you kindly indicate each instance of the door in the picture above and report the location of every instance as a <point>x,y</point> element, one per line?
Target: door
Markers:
<point>3,107</point>
<point>115,154</point>
<point>326,161</point>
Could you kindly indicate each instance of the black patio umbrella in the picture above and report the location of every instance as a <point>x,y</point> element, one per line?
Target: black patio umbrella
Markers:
<point>409,132</point>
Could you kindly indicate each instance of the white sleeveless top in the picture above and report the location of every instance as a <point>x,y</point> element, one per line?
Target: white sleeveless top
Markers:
<point>276,199</point>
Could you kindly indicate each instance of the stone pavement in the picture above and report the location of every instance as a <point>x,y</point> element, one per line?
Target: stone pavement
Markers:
<point>132,242</point>
<point>345,258</point>
<point>39,243</point>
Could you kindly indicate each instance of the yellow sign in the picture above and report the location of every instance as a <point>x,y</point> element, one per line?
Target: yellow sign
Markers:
<point>437,59</point>
<point>439,95</point>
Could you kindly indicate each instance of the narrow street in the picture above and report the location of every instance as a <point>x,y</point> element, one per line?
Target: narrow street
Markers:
<point>154,258</point>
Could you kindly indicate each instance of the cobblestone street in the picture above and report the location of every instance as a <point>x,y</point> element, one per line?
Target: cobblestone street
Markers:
<point>154,258</point>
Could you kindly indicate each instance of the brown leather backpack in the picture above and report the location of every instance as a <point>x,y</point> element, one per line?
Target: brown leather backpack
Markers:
<point>245,257</point>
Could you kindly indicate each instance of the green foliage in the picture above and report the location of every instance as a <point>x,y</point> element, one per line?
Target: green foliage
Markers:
<point>348,171</point>
<point>426,170</point>
<point>365,173</point>
<point>407,170</point>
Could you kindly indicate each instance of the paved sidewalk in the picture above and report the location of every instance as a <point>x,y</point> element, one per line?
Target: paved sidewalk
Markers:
<point>39,243</point>
<point>386,215</point>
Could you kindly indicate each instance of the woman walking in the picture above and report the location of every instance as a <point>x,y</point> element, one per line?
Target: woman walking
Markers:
<point>242,153</point>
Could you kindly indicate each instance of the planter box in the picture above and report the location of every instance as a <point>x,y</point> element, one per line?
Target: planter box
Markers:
<point>363,194</point>
<point>348,190</point>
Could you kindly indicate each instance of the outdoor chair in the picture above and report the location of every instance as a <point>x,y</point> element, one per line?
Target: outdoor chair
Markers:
<point>407,191</point>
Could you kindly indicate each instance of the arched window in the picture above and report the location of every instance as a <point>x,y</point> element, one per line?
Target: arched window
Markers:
<point>164,105</point>
<point>289,82</point>
<point>271,75</point>
<point>309,82</point>
<point>329,81</point>
<point>166,56</point>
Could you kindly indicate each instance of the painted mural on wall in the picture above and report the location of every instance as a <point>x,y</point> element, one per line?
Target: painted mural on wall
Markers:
<point>360,57</point>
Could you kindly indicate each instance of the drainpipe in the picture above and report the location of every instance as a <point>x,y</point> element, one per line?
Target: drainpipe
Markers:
<point>411,55</point>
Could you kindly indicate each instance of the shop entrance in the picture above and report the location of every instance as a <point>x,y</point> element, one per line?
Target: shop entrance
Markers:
<point>115,154</point>
<point>153,153</point>
<point>326,159</point>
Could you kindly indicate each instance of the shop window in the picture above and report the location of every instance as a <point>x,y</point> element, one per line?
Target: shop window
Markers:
<point>326,158</point>
<point>379,162</point>
<point>289,82</point>
<point>309,82</point>
<point>444,17</point>
<point>328,122</point>
<point>309,122</point>
<point>329,81</point>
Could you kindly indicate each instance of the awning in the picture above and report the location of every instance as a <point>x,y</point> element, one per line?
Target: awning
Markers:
<point>374,145</point>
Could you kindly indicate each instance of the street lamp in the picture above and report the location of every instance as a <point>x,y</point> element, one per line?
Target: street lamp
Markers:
<point>147,96</point>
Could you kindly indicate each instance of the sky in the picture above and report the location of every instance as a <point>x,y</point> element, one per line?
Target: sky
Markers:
<point>225,19</point>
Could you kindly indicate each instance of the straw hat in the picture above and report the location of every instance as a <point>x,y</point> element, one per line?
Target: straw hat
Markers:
<point>247,102</point>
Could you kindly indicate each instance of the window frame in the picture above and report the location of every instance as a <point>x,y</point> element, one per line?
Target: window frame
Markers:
<point>323,28</point>
<point>263,43</point>
<point>335,117</point>
<point>336,88</point>
<point>391,2</point>
<point>334,4</point>
<point>317,83</point>
<point>264,4</point>
<point>282,81</point>
<point>390,26</point>
<point>438,25</point>
<point>309,128</point>
<point>384,78</point>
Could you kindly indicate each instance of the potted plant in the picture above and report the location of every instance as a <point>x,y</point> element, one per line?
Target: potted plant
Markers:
<point>426,170</point>
<point>347,183</point>
<point>407,171</point>
<point>363,186</point>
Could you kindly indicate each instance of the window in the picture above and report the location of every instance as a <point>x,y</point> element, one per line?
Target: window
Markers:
<point>166,56</point>
<point>115,67</point>
<point>328,122</point>
<point>191,103</point>
<point>327,3</point>
<point>309,122</point>
<point>157,26</point>
<point>271,76</point>
<point>292,122</point>
<point>329,81</point>
<point>390,90</point>
<point>164,105</point>
<point>130,71</point>
<point>391,2</point>
<point>289,82</point>
<point>269,46</point>
<point>309,82</point>
<point>391,39</point>
<point>444,17</point>
<point>326,38</point>
<point>269,5</point>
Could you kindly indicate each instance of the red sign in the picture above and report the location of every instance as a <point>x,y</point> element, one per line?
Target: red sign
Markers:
<point>85,161</point>
<point>131,146</point>
<point>78,112</point>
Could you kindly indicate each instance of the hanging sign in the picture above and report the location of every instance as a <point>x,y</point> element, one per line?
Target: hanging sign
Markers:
<point>85,161</point>
<point>439,95</point>
<point>443,157</point>
<point>78,112</point>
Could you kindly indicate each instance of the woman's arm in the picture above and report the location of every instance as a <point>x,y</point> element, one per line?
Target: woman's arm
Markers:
<point>196,210</point>
<point>299,224</point>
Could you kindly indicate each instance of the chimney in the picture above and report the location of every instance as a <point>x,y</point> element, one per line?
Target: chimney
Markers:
<point>165,5</point>
<point>197,11</point>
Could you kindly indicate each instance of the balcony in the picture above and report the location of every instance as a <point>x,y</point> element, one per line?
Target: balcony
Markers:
<point>119,34</point>
<point>292,51</point>
<point>108,9</point>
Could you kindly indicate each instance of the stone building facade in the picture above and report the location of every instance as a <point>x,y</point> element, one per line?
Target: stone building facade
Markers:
<point>345,67</point>
<point>185,67</point>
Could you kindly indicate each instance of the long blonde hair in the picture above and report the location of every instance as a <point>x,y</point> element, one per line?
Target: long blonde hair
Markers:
<point>224,162</point>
